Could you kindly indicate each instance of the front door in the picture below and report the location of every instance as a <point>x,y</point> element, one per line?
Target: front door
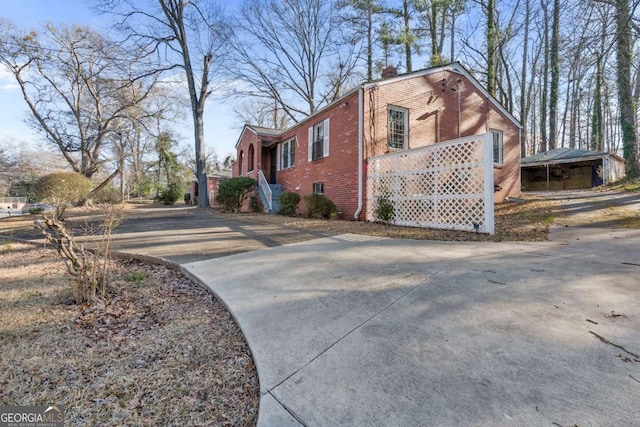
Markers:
<point>273,164</point>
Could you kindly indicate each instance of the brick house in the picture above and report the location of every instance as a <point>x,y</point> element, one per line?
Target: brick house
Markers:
<point>213,183</point>
<point>328,152</point>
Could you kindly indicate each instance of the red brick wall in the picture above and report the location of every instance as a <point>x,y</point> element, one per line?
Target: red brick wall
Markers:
<point>242,155</point>
<point>432,102</point>
<point>338,171</point>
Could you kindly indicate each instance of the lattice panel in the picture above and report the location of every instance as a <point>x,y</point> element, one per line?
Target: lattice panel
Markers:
<point>448,185</point>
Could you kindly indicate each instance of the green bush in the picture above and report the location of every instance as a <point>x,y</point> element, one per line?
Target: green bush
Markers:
<point>255,205</point>
<point>233,192</point>
<point>171,194</point>
<point>319,206</point>
<point>289,203</point>
<point>384,209</point>
<point>109,195</point>
<point>187,198</point>
<point>63,188</point>
<point>35,211</point>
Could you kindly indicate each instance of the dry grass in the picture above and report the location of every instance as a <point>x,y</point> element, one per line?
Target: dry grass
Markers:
<point>629,185</point>
<point>160,351</point>
<point>527,221</point>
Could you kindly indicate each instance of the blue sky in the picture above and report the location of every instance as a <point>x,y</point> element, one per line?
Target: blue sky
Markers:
<point>219,121</point>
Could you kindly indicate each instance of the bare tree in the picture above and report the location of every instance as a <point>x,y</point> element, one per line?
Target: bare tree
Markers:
<point>300,67</point>
<point>191,35</point>
<point>262,112</point>
<point>71,79</point>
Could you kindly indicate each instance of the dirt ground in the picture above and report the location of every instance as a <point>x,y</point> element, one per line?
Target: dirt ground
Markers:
<point>527,219</point>
<point>594,208</point>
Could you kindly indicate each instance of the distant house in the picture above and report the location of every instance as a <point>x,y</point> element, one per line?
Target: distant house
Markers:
<point>381,140</point>
<point>570,169</point>
<point>213,181</point>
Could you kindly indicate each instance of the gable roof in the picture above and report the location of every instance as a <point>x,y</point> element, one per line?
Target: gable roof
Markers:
<point>260,131</point>
<point>454,67</point>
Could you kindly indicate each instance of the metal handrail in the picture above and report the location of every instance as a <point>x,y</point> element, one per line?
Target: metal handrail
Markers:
<point>264,185</point>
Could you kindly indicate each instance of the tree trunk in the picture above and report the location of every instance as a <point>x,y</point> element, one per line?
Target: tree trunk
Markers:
<point>625,98</point>
<point>523,83</point>
<point>491,47</point>
<point>407,34</point>
<point>545,82</point>
<point>555,76</point>
<point>100,187</point>
<point>596,117</point>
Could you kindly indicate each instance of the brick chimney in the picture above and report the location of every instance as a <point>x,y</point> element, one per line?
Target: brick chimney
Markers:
<point>390,71</point>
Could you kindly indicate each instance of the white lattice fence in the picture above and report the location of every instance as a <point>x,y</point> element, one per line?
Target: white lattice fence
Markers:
<point>448,185</point>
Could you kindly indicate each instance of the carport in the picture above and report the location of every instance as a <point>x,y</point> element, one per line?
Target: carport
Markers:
<point>570,169</point>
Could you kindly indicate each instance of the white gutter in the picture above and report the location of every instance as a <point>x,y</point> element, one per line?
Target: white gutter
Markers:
<point>356,215</point>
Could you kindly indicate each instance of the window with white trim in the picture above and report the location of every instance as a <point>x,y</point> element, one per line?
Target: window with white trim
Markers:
<point>318,187</point>
<point>498,146</point>
<point>319,140</point>
<point>287,154</point>
<point>397,127</point>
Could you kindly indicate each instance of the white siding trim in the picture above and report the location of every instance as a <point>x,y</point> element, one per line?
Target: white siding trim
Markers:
<point>310,145</point>
<point>325,143</point>
<point>279,154</point>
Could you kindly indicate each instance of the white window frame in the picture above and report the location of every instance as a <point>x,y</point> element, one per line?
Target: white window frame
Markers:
<point>498,147</point>
<point>318,187</point>
<point>287,148</point>
<point>391,128</point>
<point>317,133</point>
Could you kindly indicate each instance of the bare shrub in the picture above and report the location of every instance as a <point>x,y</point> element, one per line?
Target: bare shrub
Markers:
<point>90,267</point>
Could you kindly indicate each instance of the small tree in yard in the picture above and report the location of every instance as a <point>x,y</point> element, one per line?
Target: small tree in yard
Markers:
<point>233,192</point>
<point>384,209</point>
<point>62,189</point>
<point>171,194</point>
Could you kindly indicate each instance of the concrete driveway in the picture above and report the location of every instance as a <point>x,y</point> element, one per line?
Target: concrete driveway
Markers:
<point>181,235</point>
<point>362,331</point>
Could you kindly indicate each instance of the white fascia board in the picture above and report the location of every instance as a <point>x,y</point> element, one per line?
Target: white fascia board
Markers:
<point>563,161</point>
<point>244,129</point>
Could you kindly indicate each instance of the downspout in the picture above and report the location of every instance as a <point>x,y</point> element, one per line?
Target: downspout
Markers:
<point>520,161</point>
<point>356,215</point>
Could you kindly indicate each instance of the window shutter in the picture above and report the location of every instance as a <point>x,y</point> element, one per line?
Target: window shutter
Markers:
<point>279,154</point>
<point>310,145</point>
<point>325,144</point>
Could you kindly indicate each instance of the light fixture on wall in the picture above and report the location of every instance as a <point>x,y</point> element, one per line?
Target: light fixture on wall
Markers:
<point>344,104</point>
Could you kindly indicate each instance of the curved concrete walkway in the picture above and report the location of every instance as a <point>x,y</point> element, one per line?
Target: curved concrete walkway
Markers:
<point>353,330</point>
